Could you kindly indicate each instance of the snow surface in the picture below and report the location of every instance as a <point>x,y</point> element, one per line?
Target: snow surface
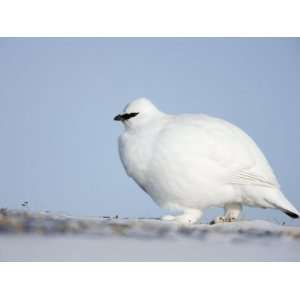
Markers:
<point>27,236</point>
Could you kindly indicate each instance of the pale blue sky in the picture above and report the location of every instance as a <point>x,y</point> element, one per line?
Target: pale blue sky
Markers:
<point>58,98</point>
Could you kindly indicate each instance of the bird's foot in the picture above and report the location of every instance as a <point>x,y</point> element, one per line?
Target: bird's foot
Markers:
<point>187,219</point>
<point>220,220</point>
<point>192,217</point>
<point>168,218</point>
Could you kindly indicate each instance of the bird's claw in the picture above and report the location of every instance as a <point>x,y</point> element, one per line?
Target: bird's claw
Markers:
<point>221,220</point>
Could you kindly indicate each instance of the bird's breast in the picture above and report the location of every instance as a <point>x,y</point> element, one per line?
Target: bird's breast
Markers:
<point>135,153</point>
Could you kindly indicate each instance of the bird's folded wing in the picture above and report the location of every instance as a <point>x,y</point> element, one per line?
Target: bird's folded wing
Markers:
<point>245,177</point>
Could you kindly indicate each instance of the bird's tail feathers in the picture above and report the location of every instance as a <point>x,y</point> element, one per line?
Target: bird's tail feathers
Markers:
<point>291,214</point>
<point>282,203</point>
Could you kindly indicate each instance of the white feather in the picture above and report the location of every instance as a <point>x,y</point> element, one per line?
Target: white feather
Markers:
<point>192,162</point>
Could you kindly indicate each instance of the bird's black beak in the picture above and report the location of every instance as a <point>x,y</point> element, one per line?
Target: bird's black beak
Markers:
<point>118,118</point>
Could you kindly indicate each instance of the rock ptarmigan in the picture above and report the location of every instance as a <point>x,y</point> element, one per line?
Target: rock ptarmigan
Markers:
<point>191,162</point>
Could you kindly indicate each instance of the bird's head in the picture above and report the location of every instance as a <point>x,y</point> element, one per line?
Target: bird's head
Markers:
<point>138,113</point>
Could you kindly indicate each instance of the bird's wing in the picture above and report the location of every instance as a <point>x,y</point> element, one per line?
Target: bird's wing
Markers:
<point>234,151</point>
<point>247,177</point>
<point>247,162</point>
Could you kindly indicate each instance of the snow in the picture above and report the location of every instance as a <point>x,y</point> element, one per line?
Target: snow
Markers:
<point>28,236</point>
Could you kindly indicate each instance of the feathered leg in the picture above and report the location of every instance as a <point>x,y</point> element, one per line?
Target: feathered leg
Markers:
<point>231,213</point>
<point>189,216</point>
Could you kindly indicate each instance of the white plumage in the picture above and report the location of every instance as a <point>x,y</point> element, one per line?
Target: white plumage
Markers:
<point>191,162</point>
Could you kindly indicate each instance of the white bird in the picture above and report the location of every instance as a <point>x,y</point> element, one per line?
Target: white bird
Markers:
<point>191,162</point>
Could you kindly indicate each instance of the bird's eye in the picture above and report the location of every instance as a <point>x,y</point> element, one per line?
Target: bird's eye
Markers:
<point>129,116</point>
<point>132,115</point>
<point>125,117</point>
